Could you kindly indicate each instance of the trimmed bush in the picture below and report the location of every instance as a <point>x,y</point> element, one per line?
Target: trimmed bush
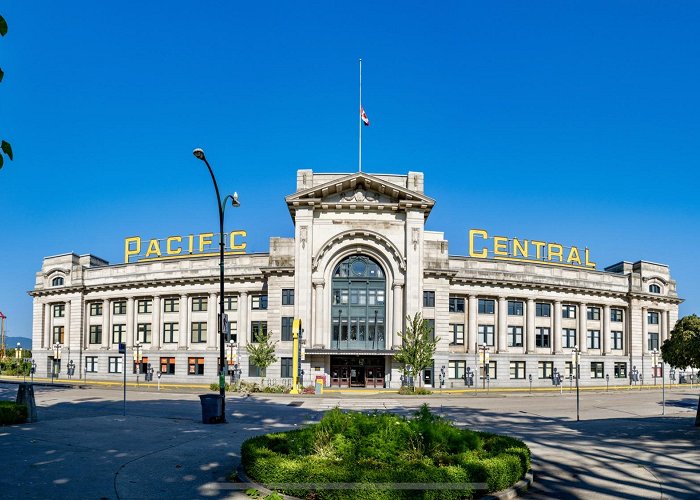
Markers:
<point>12,413</point>
<point>380,449</point>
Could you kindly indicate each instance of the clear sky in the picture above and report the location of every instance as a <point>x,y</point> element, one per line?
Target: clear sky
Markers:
<point>570,122</point>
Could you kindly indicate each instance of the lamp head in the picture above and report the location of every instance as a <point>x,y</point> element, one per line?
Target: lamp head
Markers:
<point>198,153</point>
<point>234,200</point>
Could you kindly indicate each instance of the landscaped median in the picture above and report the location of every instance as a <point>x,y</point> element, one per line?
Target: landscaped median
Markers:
<point>12,413</point>
<point>385,456</point>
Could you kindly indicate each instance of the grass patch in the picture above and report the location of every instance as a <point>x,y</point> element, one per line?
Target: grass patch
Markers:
<point>12,413</point>
<point>382,448</point>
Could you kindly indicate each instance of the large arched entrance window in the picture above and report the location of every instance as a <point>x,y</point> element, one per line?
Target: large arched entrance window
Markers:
<point>358,306</point>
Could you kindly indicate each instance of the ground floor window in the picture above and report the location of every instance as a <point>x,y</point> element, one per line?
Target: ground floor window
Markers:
<point>141,366</point>
<point>116,364</point>
<point>195,366</point>
<point>517,369</point>
<point>286,368</point>
<point>91,364</point>
<point>569,369</point>
<point>167,366</point>
<point>596,369</point>
<point>490,370</point>
<point>545,369</point>
<point>255,371</point>
<point>456,369</point>
<point>620,370</point>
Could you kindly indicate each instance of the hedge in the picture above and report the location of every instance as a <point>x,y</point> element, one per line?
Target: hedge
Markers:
<point>12,413</point>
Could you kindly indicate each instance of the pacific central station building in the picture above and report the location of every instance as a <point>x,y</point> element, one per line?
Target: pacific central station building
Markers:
<point>359,263</point>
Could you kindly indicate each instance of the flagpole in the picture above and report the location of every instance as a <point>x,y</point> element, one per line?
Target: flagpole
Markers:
<point>359,123</point>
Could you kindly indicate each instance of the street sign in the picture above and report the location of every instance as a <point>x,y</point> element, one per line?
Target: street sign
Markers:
<point>224,323</point>
<point>122,348</point>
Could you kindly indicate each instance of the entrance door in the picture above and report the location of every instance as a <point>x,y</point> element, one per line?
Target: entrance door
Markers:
<point>428,377</point>
<point>374,377</point>
<point>344,376</point>
<point>357,376</point>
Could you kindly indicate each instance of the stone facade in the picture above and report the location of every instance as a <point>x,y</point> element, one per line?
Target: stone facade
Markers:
<point>529,315</point>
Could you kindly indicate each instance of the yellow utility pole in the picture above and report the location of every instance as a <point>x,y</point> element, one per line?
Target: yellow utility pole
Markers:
<point>296,330</point>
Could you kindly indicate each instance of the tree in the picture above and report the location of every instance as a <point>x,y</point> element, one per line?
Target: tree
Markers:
<point>262,352</point>
<point>417,346</point>
<point>682,349</point>
<point>4,145</point>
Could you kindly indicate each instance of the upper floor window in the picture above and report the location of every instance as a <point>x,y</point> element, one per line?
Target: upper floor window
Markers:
<point>199,304</point>
<point>653,318</point>
<point>428,299</point>
<point>59,310</point>
<point>119,307</point>
<point>230,303</point>
<point>288,297</point>
<point>456,304</point>
<point>594,313</point>
<point>259,302</point>
<point>486,306</point>
<point>568,311</point>
<point>57,281</point>
<point>654,288</point>
<point>95,308</point>
<point>171,305</point>
<point>515,308</point>
<point>616,315</point>
<point>543,310</point>
<point>145,306</point>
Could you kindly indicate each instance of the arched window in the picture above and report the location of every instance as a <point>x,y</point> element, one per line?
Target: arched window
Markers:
<point>358,304</point>
<point>654,288</point>
<point>57,281</point>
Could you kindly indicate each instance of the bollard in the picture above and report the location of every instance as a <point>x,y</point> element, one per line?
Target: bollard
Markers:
<point>25,396</point>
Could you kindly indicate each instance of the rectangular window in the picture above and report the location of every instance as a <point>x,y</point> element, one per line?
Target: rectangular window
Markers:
<point>543,310</point>
<point>616,339</point>
<point>198,332</point>
<point>171,305</point>
<point>230,303</point>
<point>195,366</point>
<point>568,337</point>
<point>456,369</point>
<point>515,336</point>
<point>287,335</point>
<point>568,311</point>
<point>233,331</point>
<point>118,334</point>
<point>59,310</point>
<point>485,334</point>
<point>116,364</point>
<point>95,334</point>
<point>286,367</point>
<point>593,339</point>
<point>652,318</point>
<point>95,308</point>
<point>517,369</point>
<point>145,306</point>
<point>456,304</point>
<point>545,369</point>
<point>568,369</point>
<point>287,296</point>
<point>616,315</point>
<point>515,308</point>
<point>542,336</point>
<point>91,364</point>
<point>486,306</point>
<point>430,323</point>
<point>428,299</point>
<point>620,370</point>
<point>143,333</point>
<point>652,340</point>
<point>593,313</point>
<point>119,307</point>
<point>489,369</point>
<point>259,302</point>
<point>199,304</point>
<point>597,369</point>
<point>171,332</point>
<point>457,331</point>
<point>167,366</point>
<point>58,334</point>
<point>255,371</point>
<point>257,328</point>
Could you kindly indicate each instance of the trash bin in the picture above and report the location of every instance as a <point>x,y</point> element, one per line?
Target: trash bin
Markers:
<point>320,382</point>
<point>211,408</point>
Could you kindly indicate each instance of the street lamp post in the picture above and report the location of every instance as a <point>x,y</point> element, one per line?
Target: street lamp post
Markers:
<point>484,359</point>
<point>655,361</point>
<point>231,360</point>
<point>575,359</point>
<point>137,360</point>
<point>199,154</point>
<point>56,357</point>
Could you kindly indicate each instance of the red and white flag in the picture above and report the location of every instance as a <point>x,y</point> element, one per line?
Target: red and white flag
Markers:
<point>363,116</point>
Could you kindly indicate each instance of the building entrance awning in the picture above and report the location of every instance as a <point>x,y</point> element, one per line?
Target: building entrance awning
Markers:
<point>349,352</point>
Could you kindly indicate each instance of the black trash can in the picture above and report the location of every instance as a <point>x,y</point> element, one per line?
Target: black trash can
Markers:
<point>211,408</point>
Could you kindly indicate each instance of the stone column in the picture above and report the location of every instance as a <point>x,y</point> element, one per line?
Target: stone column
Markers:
<point>556,327</point>
<point>502,344</point>
<point>645,329</point>
<point>106,321</point>
<point>530,328</point>
<point>471,324</point>
<point>130,321</point>
<point>583,327</point>
<point>398,316</point>
<point>212,322</point>
<point>46,333</point>
<point>243,326</point>
<point>155,324</point>
<point>184,327</point>
<point>664,328</point>
<point>66,333</point>
<point>606,329</point>
<point>317,334</point>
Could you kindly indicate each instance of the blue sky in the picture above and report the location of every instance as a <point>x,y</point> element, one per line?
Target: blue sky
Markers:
<point>571,122</point>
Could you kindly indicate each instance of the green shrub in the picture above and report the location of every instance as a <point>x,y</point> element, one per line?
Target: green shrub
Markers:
<point>12,413</point>
<point>414,391</point>
<point>215,387</point>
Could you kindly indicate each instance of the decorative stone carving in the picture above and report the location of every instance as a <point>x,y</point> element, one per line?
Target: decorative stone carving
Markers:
<point>360,194</point>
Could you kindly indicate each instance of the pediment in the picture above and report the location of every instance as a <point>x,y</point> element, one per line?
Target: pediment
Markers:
<point>360,190</point>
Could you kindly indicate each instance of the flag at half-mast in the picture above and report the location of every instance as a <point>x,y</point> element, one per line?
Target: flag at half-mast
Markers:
<point>363,116</point>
